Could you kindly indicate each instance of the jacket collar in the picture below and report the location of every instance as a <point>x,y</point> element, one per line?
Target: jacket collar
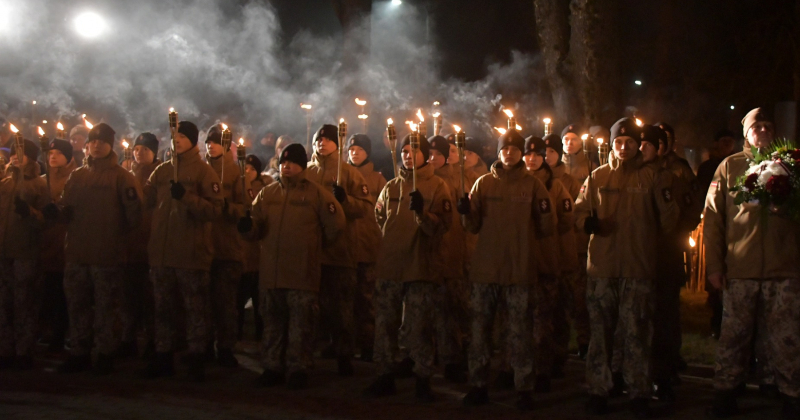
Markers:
<point>325,161</point>
<point>65,170</point>
<point>516,172</point>
<point>444,172</point>
<point>424,173</point>
<point>294,181</point>
<point>189,157</point>
<point>102,164</point>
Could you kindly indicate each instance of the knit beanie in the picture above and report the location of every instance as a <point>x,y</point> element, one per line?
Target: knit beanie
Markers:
<point>295,153</point>
<point>30,150</point>
<point>553,141</point>
<point>360,140</point>
<point>752,117</point>
<point>214,135</point>
<point>329,131</point>
<point>572,128</point>
<point>102,132</point>
<point>189,130</point>
<point>147,140</point>
<point>441,145</point>
<point>473,145</point>
<point>536,145</point>
<point>255,162</point>
<point>510,138</point>
<point>424,146</point>
<point>62,146</point>
<point>626,127</point>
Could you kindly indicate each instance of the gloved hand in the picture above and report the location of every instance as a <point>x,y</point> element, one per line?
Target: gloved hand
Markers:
<point>177,190</point>
<point>339,193</point>
<point>225,206</point>
<point>21,207</point>
<point>417,202</point>
<point>592,224</point>
<point>245,224</point>
<point>50,211</point>
<point>463,206</point>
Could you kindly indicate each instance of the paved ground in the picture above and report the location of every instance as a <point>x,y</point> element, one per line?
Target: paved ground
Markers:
<point>231,394</point>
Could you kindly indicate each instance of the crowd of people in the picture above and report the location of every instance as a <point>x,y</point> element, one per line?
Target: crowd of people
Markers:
<point>417,274</point>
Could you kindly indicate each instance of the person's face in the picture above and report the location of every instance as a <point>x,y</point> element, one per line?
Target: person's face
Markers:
<point>357,155</point>
<point>663,148</point>
<point>290,169</point>
<point>533,161</point>
<point>143,155</point>
<point>98,149</point>
<point>437,159</point>
<point>510,156</point>
<point>725,145</point>
<point>214,149</point>
<point>409,158</point>
<point>78,141</point>
<point>15,160</point>
<point>649,152</point>
<point>182,143</point>
<point>625,147</point>
<point>56,159</point>
<point>453,156</point>
<point>551,157</point>
<point>572,143</point>
<point>250,172</point>
<point>268,140</point>
<point>760,135</point>
<point>470,158</point>
<point>324,146</point>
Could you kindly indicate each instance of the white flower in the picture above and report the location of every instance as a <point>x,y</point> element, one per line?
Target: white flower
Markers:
<point>771,168</point>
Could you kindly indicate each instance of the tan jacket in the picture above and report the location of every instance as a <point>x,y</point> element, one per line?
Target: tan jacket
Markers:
<point>293,219</point>
<point>106,204</point>
<point>411,243</point>
<point>746,241</point>
<point>252,249</point>
<point>323,171</point>
<point>578,165</point>
<point>181,233</point>
<point>52,245</point>
<point>635,204</point>
<point>368,233</point>
<point>139,237</point>
<point>20,238</point>
<point>573,185</point>
<point>687,193</point>
<point>480,169</point>
<point>470,176</point>
<point>564,242</point>
<point>509,210</point>
<point>228,244</point>
<point>454,241</point>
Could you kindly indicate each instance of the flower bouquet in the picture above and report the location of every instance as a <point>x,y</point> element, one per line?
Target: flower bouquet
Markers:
<point>773,179</point>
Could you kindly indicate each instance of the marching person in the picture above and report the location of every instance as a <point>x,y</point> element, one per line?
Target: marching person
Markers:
<point>77,138</point>
<point>624,206</point>
<point>368,235</point>
<point>338,284</point>
<point>472,157</point>
<point>292,219</point>
<point>751,255</point>
<point>180,250</point>
<point>508,209</point>
<point>413,223</point>
<point>577,163</point>
<point>101,203</point>
<point>23,196</point>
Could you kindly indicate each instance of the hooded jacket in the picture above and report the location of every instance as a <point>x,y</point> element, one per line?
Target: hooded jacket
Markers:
<point>454,241</point>
<point>564,240</point>
<point>578,165</point>
<point>20,238</point>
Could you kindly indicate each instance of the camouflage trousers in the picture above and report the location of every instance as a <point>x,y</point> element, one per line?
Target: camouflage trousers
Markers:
<point>224,280</point>
<point>363,310</point>
<point>544,319</point>
<point>625,304</point>
<point>563,304</point>
<point>20,302</point>
<point>91,296</point>
<point>781,320</point>
<point>337,291</point>
<point>519,303</point>
<point>136,299</point>
<point>666,328</point>
<point>409,304</point>
<point>177,291</point>
<point>579,310</point>
<point>451,318</point>
<point>289,320</point>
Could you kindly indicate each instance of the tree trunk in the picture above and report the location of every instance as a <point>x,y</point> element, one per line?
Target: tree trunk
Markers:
<point>354,15</point>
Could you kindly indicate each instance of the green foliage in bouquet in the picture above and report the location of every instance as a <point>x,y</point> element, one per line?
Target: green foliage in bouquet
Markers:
<point>773,179</point>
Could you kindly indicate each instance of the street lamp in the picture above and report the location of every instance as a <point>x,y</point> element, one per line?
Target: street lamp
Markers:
<point>396,2</point>
<point>90,24</point>
<point>638,82</point>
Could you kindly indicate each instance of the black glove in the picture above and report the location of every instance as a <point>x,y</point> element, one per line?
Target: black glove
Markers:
<point>463,206</point>
<point>339,193</point>
<point>50,211</point>
<point>225,206</point>
<point>592,224</point>
<point>21,207</point>
<point>417,202</point>
<point>177,189</point>
<point>245,224</point>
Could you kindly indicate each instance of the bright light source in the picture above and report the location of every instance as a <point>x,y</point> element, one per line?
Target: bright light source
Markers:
<point>638,82</point>
<point>90,24</point>
<point>733,107</point>
<point>396,2</point>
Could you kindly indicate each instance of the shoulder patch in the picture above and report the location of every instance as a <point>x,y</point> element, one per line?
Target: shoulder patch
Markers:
<point>447,206</point>
<point>567,205</point>
<point>583,189</point>
<point>379,205</point>
<point>364,189</point>
<point>130,192</point>
<point>667,194</point>
<point>215,187</point>
<point>331,208</point>
<point>544,205</point>
<point>714,184</point>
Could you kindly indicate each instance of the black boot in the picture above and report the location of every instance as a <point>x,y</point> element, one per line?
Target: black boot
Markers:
<point>455,373</point>
<point>297,380</point>
<point>24,362</point>
<point>75,364</point>
<point>197,371</point>
<point>619,385</point>
<point>542,384</point>
<point>104,364</point>
<point>382,386</point>
<point>226,359</point>
<point>791,408</point>
<point>724,405</point>
<point>504,380</point>
<point>583,351</point>
<point>345,366</point>
<point>161,364</point>
<point>126,350</point>
<point>404,369</point>
<point>596,405</point>
<point>524,401</point>
<point>271,378</point>
<point>662,391</point>
<point>423,390</point>
<point>640,408</point>
<point>476,396</point>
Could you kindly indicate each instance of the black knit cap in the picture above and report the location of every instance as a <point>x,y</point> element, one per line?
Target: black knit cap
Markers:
<point>255,162</point>
<point>295,153</point>
<point>30,150</point>
<point>473,145</point>
<point>360,140</point>
<point>724,133</point>
<point>441,145</point>
<point>652,134</point>
<point>424,146</point>
<point>329,131</point>
<point>626,127</point>
<point>553,141</point>
<point>536,145</point>
<point>189,130</point>
<point>572,128</point>
<point>214,135</point>
<point>102,132</point>
<point>666,127</point>
<point>147,140</point>
<point>510,138</point>
<point>62,146</point>
<point>662,135</point>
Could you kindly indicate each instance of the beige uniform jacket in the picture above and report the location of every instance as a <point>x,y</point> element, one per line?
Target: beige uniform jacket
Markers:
<point>578,165</point>
<point>252,249</point>
<point>106,204</point>
<point>573,185</point>
<point>292,220</point>
<point>323,170</point>
<point>746,241</point>
<point>454,241</point>
<point>510,209</point>
<point>138,238</point>
<point>21,238</point>
<point>52,245</point>
<point>563,244</point>
<point>411,247</point>
<point>635,203</point>
<point>228,244</point>
<point>181,234</point>
<point>368,233</point>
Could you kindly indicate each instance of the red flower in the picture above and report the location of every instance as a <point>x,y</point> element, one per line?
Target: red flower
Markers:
<point>795,154</point>
<point>780,187</point>
<point>751,182</point>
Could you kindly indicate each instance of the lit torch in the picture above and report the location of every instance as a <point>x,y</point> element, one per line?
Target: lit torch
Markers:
<point>88,124</point>
<point>44,144</point>
<point>60,133</point>
<point>602,149</point>
<point>584,139</point>
<point>461,141</point>
<point>437,123</point>
<point>548,126</point>
<point>19,146</point>
<point>226,144</point>
<point>501,130</point>
<point>307,108</point>
<point>413,141</point>
<point>241,157</point>
<point>127,151</point>
<point>173,128</point>
<point>391,135</point>
<point>342,140</point>
<point>363,118</point>
<point>422,128</point>
<point>512,122</point>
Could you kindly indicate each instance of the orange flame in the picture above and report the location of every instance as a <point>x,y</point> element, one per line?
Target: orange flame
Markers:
<point>41,132</point>
<point>436,114</point>
<point>88,124</point>
<point>500,130</point>
<point>305,106</point>
<point>13,128</point>
<point>171,109</point>
<point>412,125</point>
<point>599,140</point>
<point>419,115</point>
<point>519,127</point>
<point>224,126</point>
<point>584,137</point>
<point>547,120</point>
<point>363,117</point>
<point>360,102</point>
<point>341,120</point>
<point>125,144</point>
<point>639,122</point>
<point>60,126</point>
<point>457,128</point>
<point>509,113</point>
<point>389,121</point>
<point>241,141</point>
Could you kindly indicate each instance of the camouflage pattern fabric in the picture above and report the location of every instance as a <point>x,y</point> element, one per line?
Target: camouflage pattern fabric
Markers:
<point>289,319</point>
<point>337,292</point>
<point>545,347</point>
<point>224,285</point>
<point>363,311</point>
<point>136,302</point>
<point>91,296</point>
<point>20,301</point>
<point>177,291</point>
<point>561,317</point>
<point>451,317</point>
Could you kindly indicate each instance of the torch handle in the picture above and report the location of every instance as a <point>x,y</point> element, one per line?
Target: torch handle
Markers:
<point>246,201</point>
<point>174,157</point>
<point>394,161</point>
<point>461,169</point>
<point>339,165</point>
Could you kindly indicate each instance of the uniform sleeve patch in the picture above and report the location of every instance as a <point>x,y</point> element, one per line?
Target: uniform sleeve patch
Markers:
<point>583,189</point>
<point>544,205</point>
<point>447,206</point>
<point>667,194</point>
<point>130,192</point>
<point>215,187</point>
<point>379,205</point>
<point>331,208</point>
<point>567,205</point>
<point>364,189</point>
<point>714,184</point>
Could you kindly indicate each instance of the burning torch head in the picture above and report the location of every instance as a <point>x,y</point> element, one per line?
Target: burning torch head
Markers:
<point>417,143</point>
<point>391,132</point>
<point>342,131</point>
<point>173,118</point>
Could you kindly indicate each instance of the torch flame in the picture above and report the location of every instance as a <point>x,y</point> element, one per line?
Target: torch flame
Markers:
<point>305,106</point>
<point>457,128</point>
<point>519,127</point>
<point>639,122</point>
<point>60,126</point>
<point>125,144</point>
<point>389,121</point>
<point>692,243</point>
<point>436,103</point>
<point>241,141</point>
<point>224,126</point>
<point>509,113</point>
<point>363,117</point>
<point>599,140</point>
<point>13,128</point>
<point>83,116</point>
<point>44,121</point>
<point>41,131</point>
<point>360,102</point>
<point>419,115</point>
<point>171,109</point>
<point>88,124</point>
<point>584,137</point>
<point>501,130</point>
<point>547,120</point>
<point>341,120</point>
<point>412,125</point>
<point>436,114</point>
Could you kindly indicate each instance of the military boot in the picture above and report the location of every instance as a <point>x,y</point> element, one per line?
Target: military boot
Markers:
<point>104,364</point>
<point>422,389</point>
<point>197,371</point>
<point>619,385</point>
<point>476,396</point>
<point>455,373</point>
<point>226,359</point>
<point>345,366</point>
<point>270,378</point>
<point>382,386</point>
<point>724,405</point>
<point>161,364</point>
<point>75,364</point>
